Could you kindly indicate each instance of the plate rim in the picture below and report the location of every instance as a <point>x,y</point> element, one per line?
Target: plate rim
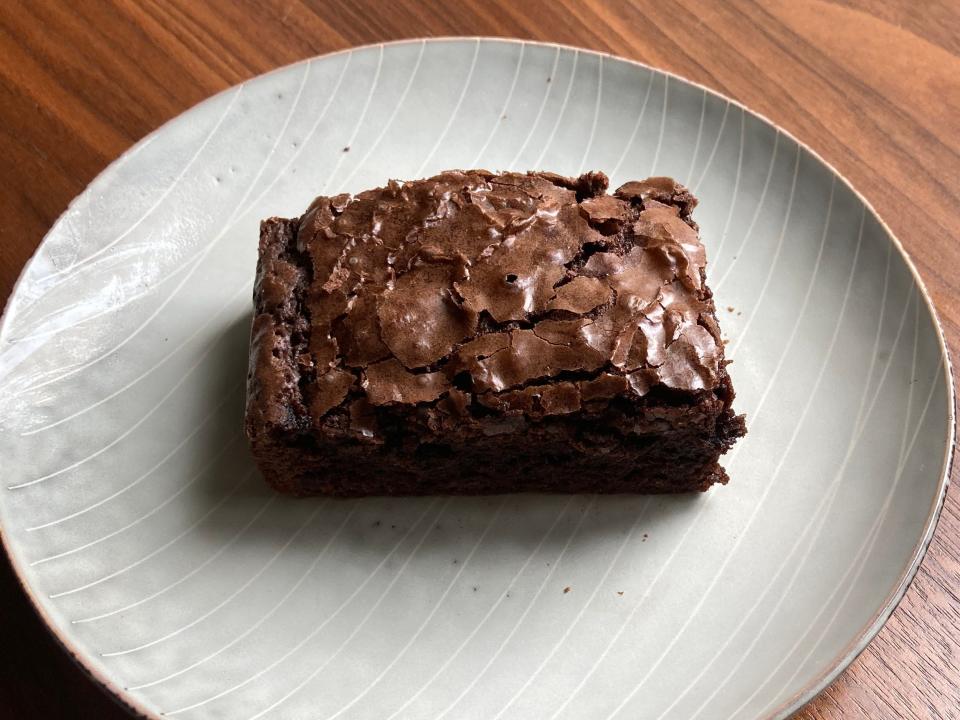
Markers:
<point>862,638</point>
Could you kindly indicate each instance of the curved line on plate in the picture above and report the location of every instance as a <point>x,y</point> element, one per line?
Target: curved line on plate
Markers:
<point>306,573</point>
<point>636,126</point>
<point>453,113</point>
<point>573,623</point>
<point>487,615</point>
<point>506,105</point>
<point>819,512</point>
<point>163,196</point>
<point>523,615</point>
<point>143,375</point>
<point>227,227</point>
<point>902,459</point>
<point>160,463</point>
<point>428,618</point>
<point>713,152</point>
<point>596,116</point>
<point>227,600</point>
<point>156,508</point>
<point>160,549</point>
<point>736,187</point>
<point>543,105</point>
<point>393,115</point>
<point>330,617</point>
<point>563,109</point>
<point>359,122</point>
<point>126,433</point>
<point>663,125</point>
<point>756,215</point>
<point>776,256</point>
<point>861,419</point>
<point>182,579</point>
<point>696,144</point>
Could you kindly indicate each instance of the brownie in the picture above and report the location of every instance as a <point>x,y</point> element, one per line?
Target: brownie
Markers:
<point>484,333</point>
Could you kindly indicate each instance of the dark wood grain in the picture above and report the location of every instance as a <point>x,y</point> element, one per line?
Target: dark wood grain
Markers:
<point>872,85</point>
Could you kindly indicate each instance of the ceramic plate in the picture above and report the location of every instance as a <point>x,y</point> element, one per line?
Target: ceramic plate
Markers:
<point>143,533</point>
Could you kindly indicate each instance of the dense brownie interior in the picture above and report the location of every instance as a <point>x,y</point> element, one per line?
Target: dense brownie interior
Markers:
<point>476,332</point>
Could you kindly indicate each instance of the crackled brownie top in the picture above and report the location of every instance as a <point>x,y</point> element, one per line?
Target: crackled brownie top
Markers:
<point>495,283</point>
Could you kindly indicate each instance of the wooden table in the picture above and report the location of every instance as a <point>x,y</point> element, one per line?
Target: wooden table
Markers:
<point>873,86</point>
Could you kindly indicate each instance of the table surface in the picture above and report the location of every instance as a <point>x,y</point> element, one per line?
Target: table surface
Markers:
<point>871,85</point>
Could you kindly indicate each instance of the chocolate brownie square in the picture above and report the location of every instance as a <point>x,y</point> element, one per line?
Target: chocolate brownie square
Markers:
<point>485,333</point>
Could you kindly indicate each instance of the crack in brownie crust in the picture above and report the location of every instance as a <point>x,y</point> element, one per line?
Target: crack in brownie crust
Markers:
<point>478,332</point>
